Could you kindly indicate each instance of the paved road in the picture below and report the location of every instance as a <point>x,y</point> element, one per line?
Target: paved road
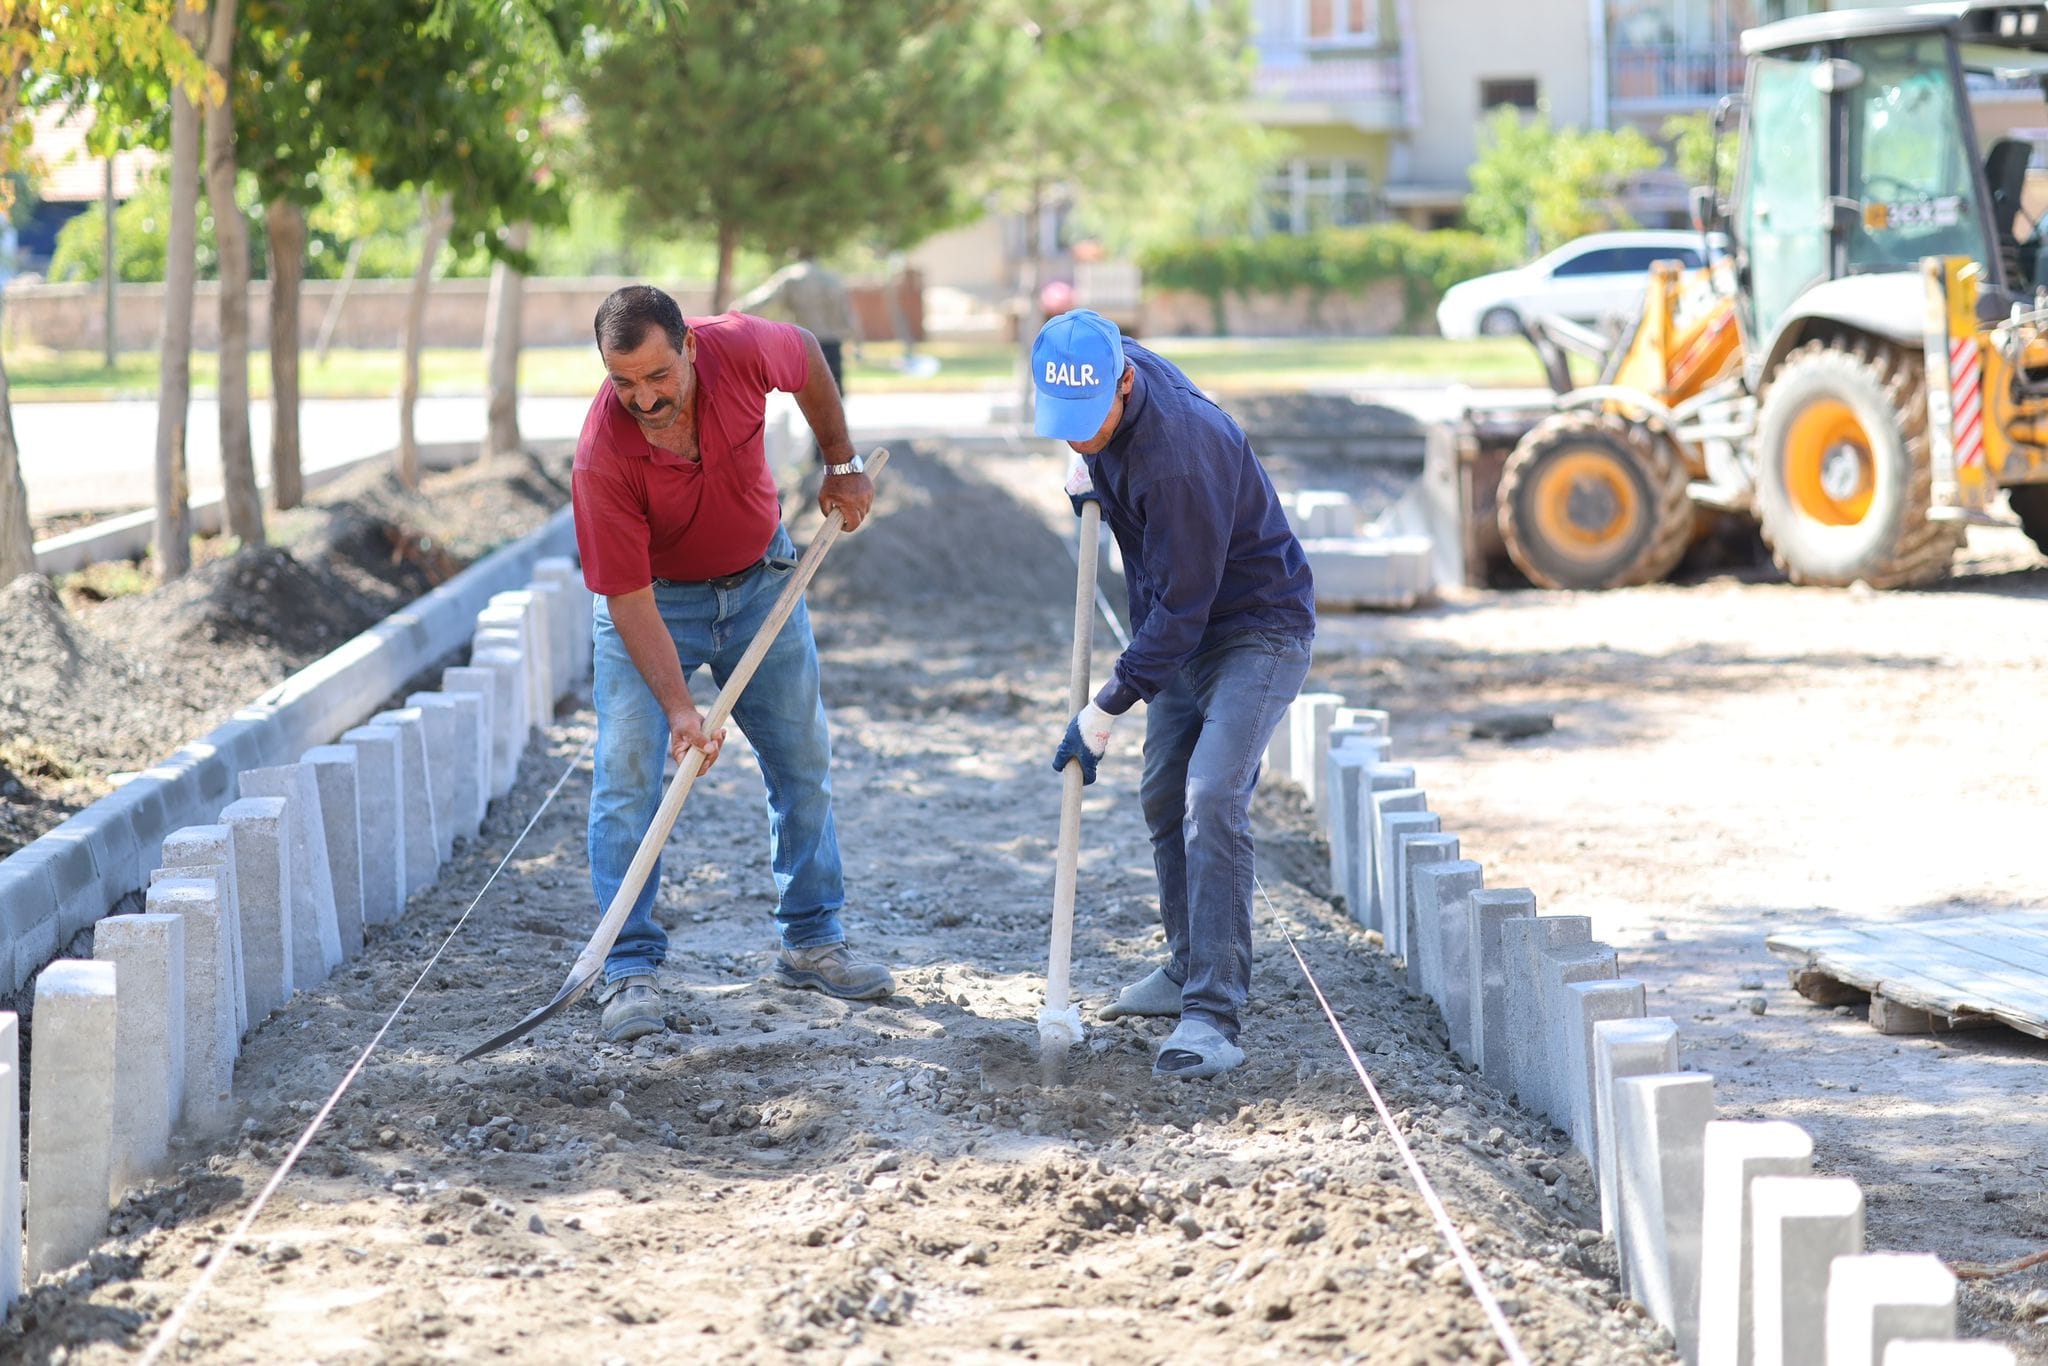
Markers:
<point>98,456</point>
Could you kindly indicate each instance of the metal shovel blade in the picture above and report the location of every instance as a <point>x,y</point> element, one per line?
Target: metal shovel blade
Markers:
<point>571,992</point>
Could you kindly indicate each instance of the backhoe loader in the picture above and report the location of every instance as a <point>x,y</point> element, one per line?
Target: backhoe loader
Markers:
<point>1862,368</point>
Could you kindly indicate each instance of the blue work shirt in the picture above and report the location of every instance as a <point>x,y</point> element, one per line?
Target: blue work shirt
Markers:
<point>1207,549</point>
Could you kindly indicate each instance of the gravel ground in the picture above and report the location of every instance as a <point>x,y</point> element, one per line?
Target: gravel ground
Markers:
<point>786,1177</point>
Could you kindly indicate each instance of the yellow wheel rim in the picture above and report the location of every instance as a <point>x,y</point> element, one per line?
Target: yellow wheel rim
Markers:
<point>1586,504</point>
<point>1830,474</point>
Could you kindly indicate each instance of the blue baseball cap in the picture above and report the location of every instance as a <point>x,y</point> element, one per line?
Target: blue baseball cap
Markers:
<point>1076,364</point>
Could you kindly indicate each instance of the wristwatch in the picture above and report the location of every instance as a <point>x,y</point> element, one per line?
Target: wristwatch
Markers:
<point>853,466</point>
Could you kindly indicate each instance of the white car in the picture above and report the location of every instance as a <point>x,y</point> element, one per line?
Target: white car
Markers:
<point>1594,277</point>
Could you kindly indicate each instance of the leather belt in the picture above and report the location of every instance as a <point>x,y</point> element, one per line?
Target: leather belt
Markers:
<point>722,582</point>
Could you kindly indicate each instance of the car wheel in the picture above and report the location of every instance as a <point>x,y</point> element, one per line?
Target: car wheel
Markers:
<point>1500,322</point>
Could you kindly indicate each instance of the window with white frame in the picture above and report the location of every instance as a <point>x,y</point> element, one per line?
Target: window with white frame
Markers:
<point>1316,192</point>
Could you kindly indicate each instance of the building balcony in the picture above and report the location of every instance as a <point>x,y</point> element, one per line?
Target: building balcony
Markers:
<point>1298,87</point>
<point>1672,78</point>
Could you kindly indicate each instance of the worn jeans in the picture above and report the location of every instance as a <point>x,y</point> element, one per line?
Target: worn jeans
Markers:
<point>1204,737</point>
<point>783,716</point>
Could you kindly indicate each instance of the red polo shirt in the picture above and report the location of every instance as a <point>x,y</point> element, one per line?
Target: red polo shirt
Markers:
<point>643,513</point>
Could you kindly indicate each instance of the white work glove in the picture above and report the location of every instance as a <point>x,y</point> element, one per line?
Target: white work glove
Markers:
<point>1086,739</point>
<point>1081,485</point>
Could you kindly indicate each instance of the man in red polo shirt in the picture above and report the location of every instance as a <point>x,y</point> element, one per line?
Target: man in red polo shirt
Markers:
<point>680,528</point>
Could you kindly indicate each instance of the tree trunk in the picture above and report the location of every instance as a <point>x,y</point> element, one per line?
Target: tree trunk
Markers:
<point>17,534</point>
<point>504,316</point>
<point>286,224</point>
<point>239,497</point>
<point>434,222</point>
<point>174,363</point>
<point>721,289</point>
<point>1029,319</point>
<point>109,275</point>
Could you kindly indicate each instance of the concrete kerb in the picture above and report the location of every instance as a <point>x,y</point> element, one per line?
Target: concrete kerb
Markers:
<point>1420,853</point>
<point>1349,758</point>
<point>1587,1005</point>
<point>1660,1133</point>
<point>1799,1225</point>
<point>1366,873</point>
<point>482,684</point>
<point>316,928</point>
<point>422,838</point>
<point>1589,962</point>
<point>71,1127</point>
<point>1311,715</point>
<point>1624,1048</point>
<point>1898,1352</point>
<point>263,881</point>
<point>1442,891</point>
<point>1385,806</point>
<point>1479,997</point>
<point>1526,943</point>
<point>380,794</point>
<point>209,851</point>
<point>1400,828</point>
<point>147,953</point>
<point>1884,1297</point>
<point>10,1160</point>
<point>336,776</point>
<point>209,1021</point>
<point>1736,1152</point>
<point>507,668</point>
<point>451,746</point>
<point>121,833</point>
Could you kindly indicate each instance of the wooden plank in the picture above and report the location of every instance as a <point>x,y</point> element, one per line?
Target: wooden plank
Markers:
<point>2012,989</point>
<point>1963,970</point>
<point>1994,943</point>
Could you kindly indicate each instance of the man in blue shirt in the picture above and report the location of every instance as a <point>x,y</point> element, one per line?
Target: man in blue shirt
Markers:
<point>1222,615</point>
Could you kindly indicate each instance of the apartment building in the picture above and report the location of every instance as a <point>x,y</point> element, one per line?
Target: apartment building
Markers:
<point>1385,99</point>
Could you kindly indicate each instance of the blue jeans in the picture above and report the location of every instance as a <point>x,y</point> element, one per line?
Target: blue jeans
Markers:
<point>1204,737</point>
<point>783,716</point>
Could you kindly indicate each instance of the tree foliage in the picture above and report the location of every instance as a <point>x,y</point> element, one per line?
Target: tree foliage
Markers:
<point>1133,111</point>
<point>1535,187</point>
<point>794,125</point>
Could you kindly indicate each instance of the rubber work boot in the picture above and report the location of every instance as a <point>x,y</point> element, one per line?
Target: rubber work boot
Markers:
<point>1196,1050</point>
<point>632,1007</point>
<point>1155,994</point>
<point>832,969</point>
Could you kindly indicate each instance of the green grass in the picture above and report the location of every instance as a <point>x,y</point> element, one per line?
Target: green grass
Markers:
<point>1225,364</point>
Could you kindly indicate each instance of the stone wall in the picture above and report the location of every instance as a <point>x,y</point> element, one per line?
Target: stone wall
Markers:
<point>71,317</point>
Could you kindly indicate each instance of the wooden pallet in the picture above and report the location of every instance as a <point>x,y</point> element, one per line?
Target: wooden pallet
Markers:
<point>1930,975</point>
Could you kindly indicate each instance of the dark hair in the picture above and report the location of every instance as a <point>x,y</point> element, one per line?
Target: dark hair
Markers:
<point>626,314</point>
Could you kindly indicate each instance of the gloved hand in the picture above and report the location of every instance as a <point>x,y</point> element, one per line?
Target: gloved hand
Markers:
<point>1081,486</point>
<point>1086,738</point>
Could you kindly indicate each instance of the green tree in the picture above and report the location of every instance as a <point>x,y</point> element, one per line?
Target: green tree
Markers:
<point>1693,145</point>
<point>1535,186</point>
<point>794,126</point>
<point>1131,115</point>
<point>49,51</point>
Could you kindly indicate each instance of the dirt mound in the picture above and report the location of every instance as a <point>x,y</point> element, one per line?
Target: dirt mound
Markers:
<point>121,681</point>
<point>948,547</point>
<point>260,594</point>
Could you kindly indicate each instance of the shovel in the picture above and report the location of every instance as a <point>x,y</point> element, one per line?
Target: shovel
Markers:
<point>590,963</point>
<point>1059,1023</point>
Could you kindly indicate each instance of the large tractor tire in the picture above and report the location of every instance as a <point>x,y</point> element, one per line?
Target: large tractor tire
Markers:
<point>2030,504</point>
<point>1592,500</point>
<point>1843,480</point>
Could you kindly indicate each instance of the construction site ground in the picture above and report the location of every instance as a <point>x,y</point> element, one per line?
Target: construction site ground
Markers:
<point>783,1176</point>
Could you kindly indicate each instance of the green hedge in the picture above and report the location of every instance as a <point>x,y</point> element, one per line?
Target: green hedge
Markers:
<point>1328,261</point>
